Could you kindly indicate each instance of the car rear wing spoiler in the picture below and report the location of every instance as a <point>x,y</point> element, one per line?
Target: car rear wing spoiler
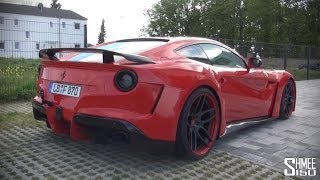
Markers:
<point>108,56</point>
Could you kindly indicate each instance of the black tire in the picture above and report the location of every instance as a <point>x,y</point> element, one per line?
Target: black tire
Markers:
<point>200,118</point>
<point>288,100</point>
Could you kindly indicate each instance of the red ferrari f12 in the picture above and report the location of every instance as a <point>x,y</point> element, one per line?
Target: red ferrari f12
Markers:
<point>180,92</point>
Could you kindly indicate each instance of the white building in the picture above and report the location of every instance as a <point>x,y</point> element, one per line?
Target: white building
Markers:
<point>24,30</point>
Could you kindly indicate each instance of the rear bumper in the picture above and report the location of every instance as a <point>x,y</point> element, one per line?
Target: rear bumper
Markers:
<point>135,137</point>
<point>92,124</point>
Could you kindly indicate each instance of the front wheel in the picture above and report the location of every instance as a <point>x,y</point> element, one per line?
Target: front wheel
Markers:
<point>198,124</point>
<point>288,100</point>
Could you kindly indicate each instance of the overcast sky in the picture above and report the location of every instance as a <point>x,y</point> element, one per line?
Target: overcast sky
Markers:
<point>123,18</point>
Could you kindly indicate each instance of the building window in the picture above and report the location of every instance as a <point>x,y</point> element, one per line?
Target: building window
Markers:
<point>76,25</point>
<point>27,34</point>
<point>63,24</point>
<point>1,45</point>
<point>51,24</point>
<point>1,20</point>
<point>16,22</point>
<point>17,45</point>
<point>77,45</point>
<point>37,46</point>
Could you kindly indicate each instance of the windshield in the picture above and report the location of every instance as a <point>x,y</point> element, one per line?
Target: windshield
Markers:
<point>129,47</point>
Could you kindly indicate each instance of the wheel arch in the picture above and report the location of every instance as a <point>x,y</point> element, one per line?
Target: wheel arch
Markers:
<point>222,123</point>
<point>285,77</point>
<point>295,95</point>
<point>215,89</point>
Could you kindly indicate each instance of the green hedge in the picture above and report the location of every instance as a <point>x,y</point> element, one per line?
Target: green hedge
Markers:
<point>17,79</point>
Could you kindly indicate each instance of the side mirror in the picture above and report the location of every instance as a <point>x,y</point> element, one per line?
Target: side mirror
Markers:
<point>254,62</point>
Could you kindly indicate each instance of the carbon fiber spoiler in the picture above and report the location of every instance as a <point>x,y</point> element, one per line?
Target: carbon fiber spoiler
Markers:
<point>108,56</point>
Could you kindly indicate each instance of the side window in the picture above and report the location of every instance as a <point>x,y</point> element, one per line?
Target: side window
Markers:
<point>222,57</point>
<point>193,52</point>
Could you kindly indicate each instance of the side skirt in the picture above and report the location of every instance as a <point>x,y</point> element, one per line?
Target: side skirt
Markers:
<point>240,124</point>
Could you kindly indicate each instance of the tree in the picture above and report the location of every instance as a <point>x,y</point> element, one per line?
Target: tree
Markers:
<point>102,34</point>
<point>55,4</point>
<point>313,22</point>
<point>273,21</point>
<point>208,18</point>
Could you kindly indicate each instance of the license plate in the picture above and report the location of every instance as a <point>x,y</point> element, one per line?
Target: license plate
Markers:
<point>65,89</point>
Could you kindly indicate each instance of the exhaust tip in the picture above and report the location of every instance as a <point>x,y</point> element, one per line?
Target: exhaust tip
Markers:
<point>109,138</point>
<point>120,136</point>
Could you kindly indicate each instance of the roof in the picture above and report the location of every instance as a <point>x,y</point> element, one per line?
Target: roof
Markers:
<point>187,39</point>
<point>35,11</point>
<point>171,39</point>
<point>165,39</point>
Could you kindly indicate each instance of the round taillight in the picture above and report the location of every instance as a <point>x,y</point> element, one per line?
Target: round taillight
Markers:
<point>126,80</point>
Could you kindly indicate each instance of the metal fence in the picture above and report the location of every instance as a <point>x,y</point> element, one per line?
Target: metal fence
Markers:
<point>302,61</point>
<point>20,42</point>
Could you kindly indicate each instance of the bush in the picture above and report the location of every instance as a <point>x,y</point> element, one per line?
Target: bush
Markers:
<point>17,79</point>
